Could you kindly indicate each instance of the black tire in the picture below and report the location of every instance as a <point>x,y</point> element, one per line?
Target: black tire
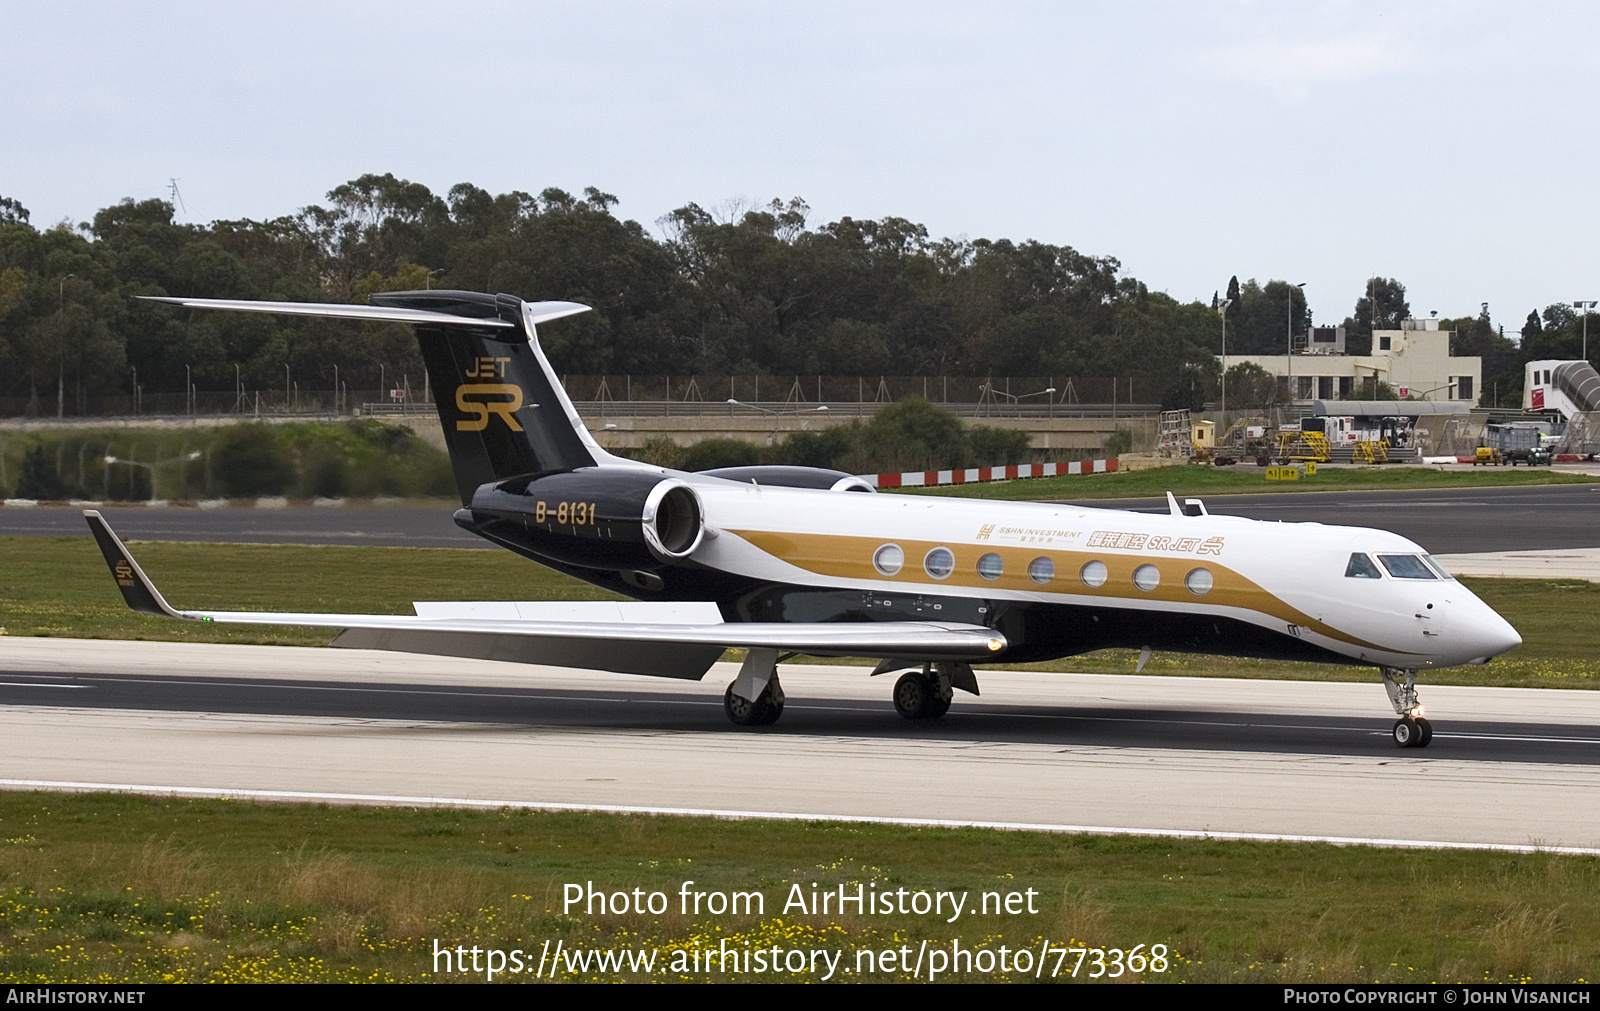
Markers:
<point>1406,733</point>
<point>744,713</point>
<point>1427,732</point>
<point>772,699</point>
<point>913,696</point>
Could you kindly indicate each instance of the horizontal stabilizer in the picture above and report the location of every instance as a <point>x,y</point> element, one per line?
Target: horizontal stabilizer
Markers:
<point>537,312</point>
<point>377,312</point>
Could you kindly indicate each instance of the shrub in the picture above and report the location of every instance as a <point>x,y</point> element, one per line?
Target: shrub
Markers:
<point>249,461</point>
<point>1118,442</point>
<point>40,479</point>
<point>710,454</point>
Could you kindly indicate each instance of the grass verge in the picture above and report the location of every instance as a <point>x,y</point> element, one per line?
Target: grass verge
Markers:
<point>1215,481</point>
<point>115,888</point>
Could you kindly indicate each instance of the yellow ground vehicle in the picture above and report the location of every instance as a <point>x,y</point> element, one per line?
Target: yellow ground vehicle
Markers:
<point>1297,445</point>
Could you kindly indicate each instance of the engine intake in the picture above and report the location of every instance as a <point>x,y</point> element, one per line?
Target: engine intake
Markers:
<point>672,520</point>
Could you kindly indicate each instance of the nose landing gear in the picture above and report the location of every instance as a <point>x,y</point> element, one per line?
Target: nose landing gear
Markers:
<point>1411,730</point>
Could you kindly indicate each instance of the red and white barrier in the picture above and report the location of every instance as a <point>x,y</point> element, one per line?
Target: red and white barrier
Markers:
<point>1014,472</point>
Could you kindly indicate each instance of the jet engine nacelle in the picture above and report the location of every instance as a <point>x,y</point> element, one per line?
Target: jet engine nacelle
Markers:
<point>593,517</point>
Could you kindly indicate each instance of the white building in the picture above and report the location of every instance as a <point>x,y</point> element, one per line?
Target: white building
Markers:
<point>1415,360</point>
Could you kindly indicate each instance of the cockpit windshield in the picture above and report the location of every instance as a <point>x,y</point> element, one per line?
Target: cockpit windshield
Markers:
<point>1407,567</point>
<point>1361,567</point>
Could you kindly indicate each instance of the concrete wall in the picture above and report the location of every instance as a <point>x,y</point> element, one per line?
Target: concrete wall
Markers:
<point>1047,436</point>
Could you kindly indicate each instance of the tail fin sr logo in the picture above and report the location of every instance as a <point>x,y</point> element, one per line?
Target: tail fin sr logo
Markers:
<point>480,410</point>
<point>124,573</point>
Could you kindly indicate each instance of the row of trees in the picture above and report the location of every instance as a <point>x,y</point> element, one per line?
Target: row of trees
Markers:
<point>755,290</point>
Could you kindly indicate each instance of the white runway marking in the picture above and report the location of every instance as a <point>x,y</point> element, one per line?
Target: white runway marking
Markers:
<point>304,797</point>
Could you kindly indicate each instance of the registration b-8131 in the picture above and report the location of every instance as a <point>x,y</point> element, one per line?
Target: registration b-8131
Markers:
<point>573,514</point>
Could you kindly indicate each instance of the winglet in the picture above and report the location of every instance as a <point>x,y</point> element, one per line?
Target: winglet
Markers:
<point>137,590</point>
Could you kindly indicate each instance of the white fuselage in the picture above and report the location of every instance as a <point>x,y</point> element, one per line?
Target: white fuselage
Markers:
<point>1285,578</point>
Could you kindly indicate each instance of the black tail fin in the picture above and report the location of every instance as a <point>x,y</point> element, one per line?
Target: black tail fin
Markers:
<point>503,410</point>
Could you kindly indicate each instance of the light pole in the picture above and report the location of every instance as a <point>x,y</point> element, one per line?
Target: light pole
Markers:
<point>1585,305</point>
<point>1289,350</point>
<point>61,354</point>
<point>1222,310</point>
<point>151,467</point>
<point>776,415</point>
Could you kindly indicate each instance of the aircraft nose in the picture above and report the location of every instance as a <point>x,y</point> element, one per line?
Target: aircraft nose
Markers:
<point>1488,635</point>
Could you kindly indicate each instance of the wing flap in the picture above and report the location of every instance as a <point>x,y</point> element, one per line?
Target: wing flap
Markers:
<point>689,661</point>
<point>696,612</point>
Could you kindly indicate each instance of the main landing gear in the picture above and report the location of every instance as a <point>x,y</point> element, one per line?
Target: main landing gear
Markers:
<point>1411,730</point>
<point>755,698</point>
<point>926,694</point>
<point>919,696</point>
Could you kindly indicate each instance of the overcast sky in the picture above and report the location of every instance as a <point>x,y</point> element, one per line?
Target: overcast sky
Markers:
<point>1450,145</point>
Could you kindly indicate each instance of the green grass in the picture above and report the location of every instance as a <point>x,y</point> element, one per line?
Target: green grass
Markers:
<point>115,888</point>
<point>1189,480</point>
<point>60,587</point>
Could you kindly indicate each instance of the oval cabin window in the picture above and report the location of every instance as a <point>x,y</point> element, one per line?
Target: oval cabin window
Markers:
<point>888,559</point>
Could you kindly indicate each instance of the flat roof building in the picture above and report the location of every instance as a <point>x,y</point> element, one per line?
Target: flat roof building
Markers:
<point>1414,359</point>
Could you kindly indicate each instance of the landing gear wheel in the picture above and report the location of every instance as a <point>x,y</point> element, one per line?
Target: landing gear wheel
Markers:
<point>911,695</point>
<point>919,697</point>
<point>742,711</point>
<point>1411,732</point>
<point>763,712</point>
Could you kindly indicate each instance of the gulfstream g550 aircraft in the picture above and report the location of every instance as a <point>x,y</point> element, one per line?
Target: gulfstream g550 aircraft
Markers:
<point>793,560</point>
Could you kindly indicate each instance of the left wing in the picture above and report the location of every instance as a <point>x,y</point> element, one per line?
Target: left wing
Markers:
<point>666,640</point>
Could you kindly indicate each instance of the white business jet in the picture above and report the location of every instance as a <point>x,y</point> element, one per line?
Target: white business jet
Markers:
<point>785,561</point>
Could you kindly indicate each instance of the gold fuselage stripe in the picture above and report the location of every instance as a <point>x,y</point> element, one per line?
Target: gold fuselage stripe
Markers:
<point>844,556</point>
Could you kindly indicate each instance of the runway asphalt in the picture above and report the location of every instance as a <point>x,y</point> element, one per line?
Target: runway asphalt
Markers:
<point>1156,754</point>
<point>1444,522</point>
<point>406,526</point>
<point>1454,521</point>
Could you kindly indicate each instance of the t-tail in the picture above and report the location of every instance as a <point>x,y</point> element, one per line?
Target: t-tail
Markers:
<point>502,407</point>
